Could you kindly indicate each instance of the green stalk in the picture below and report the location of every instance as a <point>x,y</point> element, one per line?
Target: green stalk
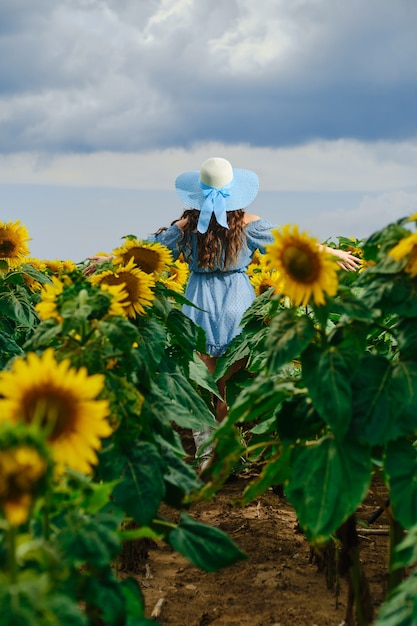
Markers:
<point>396,535</point>
<point>357,581</point>
<point>11,553</point>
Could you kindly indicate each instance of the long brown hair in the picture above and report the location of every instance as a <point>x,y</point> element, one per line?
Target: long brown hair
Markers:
<point>218,245</point>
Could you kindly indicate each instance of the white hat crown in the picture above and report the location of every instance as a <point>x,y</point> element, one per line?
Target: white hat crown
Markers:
<point>216,172</point>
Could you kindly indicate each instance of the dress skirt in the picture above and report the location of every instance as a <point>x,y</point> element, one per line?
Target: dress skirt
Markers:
<point>223,298</point>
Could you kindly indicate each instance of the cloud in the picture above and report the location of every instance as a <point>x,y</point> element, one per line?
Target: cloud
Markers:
<point>107,75</point>
<point>326,166</point>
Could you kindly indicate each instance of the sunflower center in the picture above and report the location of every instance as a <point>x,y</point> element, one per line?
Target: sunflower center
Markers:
<point>145,258</point>
<point>7,247</point>
<point>128,281</point>
<point>301,263</point>
<point>53,409</point>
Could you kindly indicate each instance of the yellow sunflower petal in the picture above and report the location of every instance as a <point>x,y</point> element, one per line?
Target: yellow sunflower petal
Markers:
<point>150,257</point>
<point>14,239</point>
<point>62,401</point>
<point>307,271</point>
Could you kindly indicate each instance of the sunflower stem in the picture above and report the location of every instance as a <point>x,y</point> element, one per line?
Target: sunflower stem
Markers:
<point>11,553</point>
<point>46,526</point>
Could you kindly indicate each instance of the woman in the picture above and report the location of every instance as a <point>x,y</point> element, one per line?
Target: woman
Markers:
<point>218,239</point>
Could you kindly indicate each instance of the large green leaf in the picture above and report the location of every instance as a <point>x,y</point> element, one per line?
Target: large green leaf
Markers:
<point>135,604</point>
<point>406,335</point>
<point>401,608</point>
<point>206,547</point>
<point>329,479</point>
<point>178,391</point>
<point>297,419</point>
<point>384,400</point>
<point>34,273</point>
<point>142,486</point>
<point>259,400</point>
<point>406,550</point>
<point>327,377</point>
<point>105,599</point>
<point>288,336</point>
<point>392,293</point>
<point>18,308</point>
<point>7,344</point>
<point>120,332</point>
<point>31,602</point>
<point>89,539</point>
<point>185,333</point>
<point>401,469</point>
<point>276,472</point>
<point>200,374</point>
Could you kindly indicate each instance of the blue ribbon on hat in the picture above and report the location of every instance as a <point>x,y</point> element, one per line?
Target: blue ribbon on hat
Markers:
<point>214,203</point>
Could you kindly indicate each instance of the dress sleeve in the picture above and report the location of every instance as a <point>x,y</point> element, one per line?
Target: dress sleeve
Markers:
<point>170,238</point>
<point>258,234</point>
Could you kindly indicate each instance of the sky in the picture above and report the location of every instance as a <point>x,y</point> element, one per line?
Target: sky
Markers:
<point>104,102</point>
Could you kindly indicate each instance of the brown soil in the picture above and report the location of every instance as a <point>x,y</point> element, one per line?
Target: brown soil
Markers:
<point>279,584</point>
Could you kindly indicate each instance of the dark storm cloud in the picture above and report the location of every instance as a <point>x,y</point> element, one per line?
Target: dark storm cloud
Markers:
<point>90,75</point>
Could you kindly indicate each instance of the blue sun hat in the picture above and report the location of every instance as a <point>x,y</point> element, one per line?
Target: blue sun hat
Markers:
<point>216,188</point>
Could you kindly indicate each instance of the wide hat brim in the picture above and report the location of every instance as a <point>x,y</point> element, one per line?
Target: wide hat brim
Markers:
<point>243,191</point>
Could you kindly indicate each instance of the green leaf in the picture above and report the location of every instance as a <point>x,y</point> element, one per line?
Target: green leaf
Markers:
<point>206,547</point>
<point>180,478</point>
<point>7,344</point>
<point>89,539</point>
<point>19,309</point>
<point>185,333</point>
<point>401,469</point>
<point>406,335</point>
<point>349,305</point>
<point>104,599</point>
<point>186,401</point>
<point>297,419</point>
<point>401,608</point>
<point>384,400</point>
<point>259,400</point>
<point>406,550</point>
<point>142,487</point>
<point>327,377</point>
<point>395,293</point>
<point>276,472</point>
<point>199,374</point>
<point>328,481</point>
<point>36,274</point>
<point>133,597</point>
<point>288,336</point>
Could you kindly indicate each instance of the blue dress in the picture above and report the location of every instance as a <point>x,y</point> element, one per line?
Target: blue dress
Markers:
<point>223,295</point>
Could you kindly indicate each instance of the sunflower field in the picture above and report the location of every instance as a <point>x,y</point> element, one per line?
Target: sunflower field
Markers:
<point>100,372</point>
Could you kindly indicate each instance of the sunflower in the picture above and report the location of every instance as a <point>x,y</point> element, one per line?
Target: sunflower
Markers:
<point>150,257</point>
<point>68,266</point>
<point>264,279</point>
<point>62,402</point>
<point>259,262</point>
<point>13,242</point>
<point>137,284</point>
<point>118,297</point>
<point>54,266</point>
<point>407,247</point>
<point>177,277</point>
<point>24,469</point>
<point>307,270</point>
<point>37,264</point>
<point>47,307</point>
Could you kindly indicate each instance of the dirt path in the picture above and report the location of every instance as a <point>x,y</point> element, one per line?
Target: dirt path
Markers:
<point>277,585</point>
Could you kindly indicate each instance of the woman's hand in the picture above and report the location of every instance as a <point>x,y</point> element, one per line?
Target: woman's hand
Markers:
<point>347,261</point>
<point>96,260</point>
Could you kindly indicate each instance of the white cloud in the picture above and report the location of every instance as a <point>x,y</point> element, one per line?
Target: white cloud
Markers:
<point>321,166</point>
